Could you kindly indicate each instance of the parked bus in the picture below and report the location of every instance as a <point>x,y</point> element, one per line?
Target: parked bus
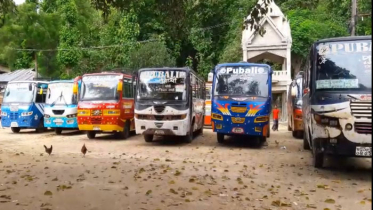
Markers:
<point>169,101</point>
<point>337,98</point>
<point>106,104</point>
<point>241,100</point>
<point>2,90</point>
<point>60,110</point>
<point>23,105</point>
<point>208,104</point>
<point>294,106</point>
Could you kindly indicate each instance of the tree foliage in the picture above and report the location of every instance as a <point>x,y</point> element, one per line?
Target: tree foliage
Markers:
<point>95,35</point>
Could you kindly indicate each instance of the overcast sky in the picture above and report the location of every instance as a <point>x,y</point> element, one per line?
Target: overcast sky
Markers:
<point>19,1</point>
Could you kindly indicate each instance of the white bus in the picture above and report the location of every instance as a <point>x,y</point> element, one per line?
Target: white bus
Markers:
<point>169,102</point>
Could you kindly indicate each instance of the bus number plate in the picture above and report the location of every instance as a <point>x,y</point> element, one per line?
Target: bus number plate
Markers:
<point>237,130</point>
<point>363,151</point>
<point>13,124</point>
<point>159,132</point>
<point>14,108</point>
<point>96,128</point>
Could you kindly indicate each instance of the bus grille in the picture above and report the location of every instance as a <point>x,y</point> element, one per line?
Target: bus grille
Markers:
<point>58,112</point>
<point>361,109</point>
<point>96,120</point>
<point>158,117</point>
<point>13,115</point>
<point>159,109</point>
<point>238,109</point>
<point>238,119</point>
<point>363,127</point>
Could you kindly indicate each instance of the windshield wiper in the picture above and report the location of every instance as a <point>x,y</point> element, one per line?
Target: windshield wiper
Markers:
<point>59,98</point>
<point>353,97</point>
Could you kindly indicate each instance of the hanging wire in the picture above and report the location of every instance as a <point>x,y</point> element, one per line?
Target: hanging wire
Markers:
<point>120,45</point>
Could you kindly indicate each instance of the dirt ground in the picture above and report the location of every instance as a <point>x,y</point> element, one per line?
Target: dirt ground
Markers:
<point>168,174</point>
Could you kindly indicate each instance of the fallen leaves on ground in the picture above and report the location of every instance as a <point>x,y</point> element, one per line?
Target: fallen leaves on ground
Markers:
<point>48,192</point>
<point>329,200</point>
<point>279,203</point>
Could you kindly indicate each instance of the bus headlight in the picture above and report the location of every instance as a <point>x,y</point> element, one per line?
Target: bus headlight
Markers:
<point>111,112</point>
<point>3,114</point>
<point>348,126</point>
<point>25,114</point>
<point>46,116</point>
<point>261,119</point>
<point>83,112</point>
<point>71,115</point>
<point>216,116</point>
<point>326,121</point>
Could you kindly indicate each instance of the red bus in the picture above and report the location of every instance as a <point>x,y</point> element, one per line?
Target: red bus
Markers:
<point>208,104</point>
<point>106,104</point>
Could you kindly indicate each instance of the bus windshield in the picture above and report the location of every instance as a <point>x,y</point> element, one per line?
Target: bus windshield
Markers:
<point>100,87</point>
<point>60,94</point>
<point>344,65</point>
<point>162,85</point>
<point>242,81</point>
<point>19,93</point>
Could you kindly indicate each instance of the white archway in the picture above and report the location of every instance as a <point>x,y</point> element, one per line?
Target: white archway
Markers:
<point>274,45</point>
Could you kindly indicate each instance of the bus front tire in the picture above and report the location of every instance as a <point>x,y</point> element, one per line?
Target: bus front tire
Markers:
<point>189,137</point>
<point>268,132</point>
<point>220,138</point>
<point>58,131</point>
<point>306,145</point>
<point>125,133</point>
<point>41,127</point>
<point>318,156</point>
<point>148,138</point>
<point>91,134</point>
<point>15,130</point>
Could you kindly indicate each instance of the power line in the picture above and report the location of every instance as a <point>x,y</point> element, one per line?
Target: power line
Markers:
<point>120,45</point>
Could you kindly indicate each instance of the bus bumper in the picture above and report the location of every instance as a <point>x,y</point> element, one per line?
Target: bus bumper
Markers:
<point>341,146</point>
<point>253,129</point>
<point>166,128</point>
<point>102,128</point>
<point>61,122</point>
<point>298,125</point>
<point>23,122</point>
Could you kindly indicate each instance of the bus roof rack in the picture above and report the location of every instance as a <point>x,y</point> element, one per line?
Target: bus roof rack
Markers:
<point>118,70</point>
<point>42,79</point>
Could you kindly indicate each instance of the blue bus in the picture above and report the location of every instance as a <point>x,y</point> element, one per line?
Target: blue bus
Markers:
<point>241,100</point>
<point>61,105</point>
<point>23,105</point>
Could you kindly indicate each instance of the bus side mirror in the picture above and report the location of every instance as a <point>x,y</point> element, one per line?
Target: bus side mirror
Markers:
<point>75,88</point>
<point>30,87</point>
<point>210,77</point>
<point>120,86</point>
<point>293,91</point>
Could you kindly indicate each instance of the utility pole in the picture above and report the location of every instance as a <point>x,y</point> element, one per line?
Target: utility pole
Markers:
<point>36,63</point>
<point>353,17</point>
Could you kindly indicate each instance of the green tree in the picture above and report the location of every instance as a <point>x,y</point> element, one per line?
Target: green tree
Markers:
<point>70,37</point>
<point>309,25</point>
<point>6,7</point>
<point>151,54</point>
<point>121,32</point>
<point>27,30</point>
